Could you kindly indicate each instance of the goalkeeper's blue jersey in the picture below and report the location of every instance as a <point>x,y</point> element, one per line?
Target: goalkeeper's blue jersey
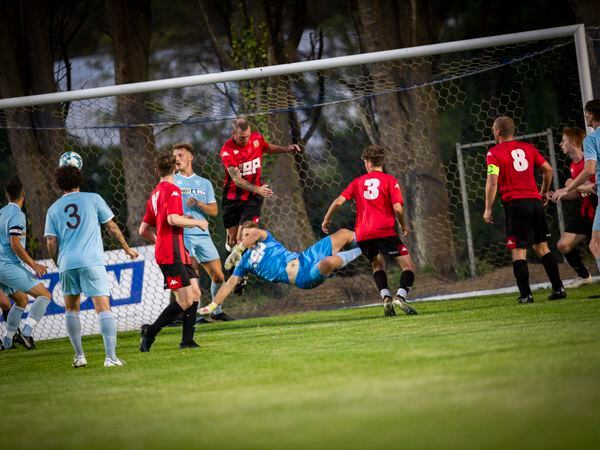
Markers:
<point>267,259</point>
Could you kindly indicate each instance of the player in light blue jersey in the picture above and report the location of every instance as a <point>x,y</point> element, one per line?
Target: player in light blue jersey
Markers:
<point>591,154</point>
<point>199,202</point>
<point>74,241</point>
<point>15,280</point>
<point>259,253</point>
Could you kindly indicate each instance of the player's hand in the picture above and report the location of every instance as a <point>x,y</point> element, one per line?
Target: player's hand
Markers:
<point>202,224</point>
<point>558,195</point>
<point>192,203</point>
<point>295,148</point>
<point>264,191</point>
<point>208,309</point>
<point>545,198</point>
<point>325,226</point>
<point>404,232</point>
<point>39,269</point>
<point>487,216</point>
<point>133,254</point>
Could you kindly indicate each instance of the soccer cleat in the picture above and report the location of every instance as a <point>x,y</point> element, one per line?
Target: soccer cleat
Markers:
<point>116,362</point>
<point>400,302</point>
<point>523,300</point>
<point>557,295</point>
<point>79,361</point>
<point>25,341</point>
<point>190,344</point>
<point>146,340</point>
<point>202,320</point>
<point>388,307</point>
<point>579,281</point>
<point>239,287</point>
<point>222,316</point>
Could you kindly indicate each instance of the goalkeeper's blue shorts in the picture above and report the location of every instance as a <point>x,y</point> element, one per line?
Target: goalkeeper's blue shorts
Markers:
<point>308,271</point>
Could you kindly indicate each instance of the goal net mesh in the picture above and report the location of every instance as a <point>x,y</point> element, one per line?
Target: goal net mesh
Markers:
<point>418,108</point>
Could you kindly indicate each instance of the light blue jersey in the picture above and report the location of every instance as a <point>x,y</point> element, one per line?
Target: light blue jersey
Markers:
<point>199,188</point>
<point>75,220</point>
<point>267,259</point>
<point>591,151</point>
<point>12,223</point>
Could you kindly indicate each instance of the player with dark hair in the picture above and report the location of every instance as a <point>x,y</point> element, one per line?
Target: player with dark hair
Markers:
<point>74,241</point>
<point>579,226</point>
<point>511,169</point>
<point>259,253</point>
<point>164,213</point>
<point>243,191</point>
<point>591,151</point>
<point>378,205</point>
<point>199,201</point>
<point>15,280</point>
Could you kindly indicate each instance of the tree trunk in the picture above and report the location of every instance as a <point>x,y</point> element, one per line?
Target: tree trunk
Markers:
<point>130,28</point>
<point>408,127</point>
<point>27,68</point>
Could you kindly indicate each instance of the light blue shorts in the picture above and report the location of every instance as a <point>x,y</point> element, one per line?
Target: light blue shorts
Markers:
<point>15,277</point>
<point>596,225</point>
<point>201,247</point>
<point>308,275</point>
<point>92,281</point>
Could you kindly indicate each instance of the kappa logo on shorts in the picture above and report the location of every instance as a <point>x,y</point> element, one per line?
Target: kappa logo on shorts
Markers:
<point>174,282</point>
<point>511,242</point>
<point>403,250</point>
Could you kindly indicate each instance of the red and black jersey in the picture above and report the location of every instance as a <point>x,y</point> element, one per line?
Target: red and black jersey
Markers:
<point>248,160</point>
<point>375,194</point>
<point>589,202</point>
<point>165,200</point>
<point>516,162</point>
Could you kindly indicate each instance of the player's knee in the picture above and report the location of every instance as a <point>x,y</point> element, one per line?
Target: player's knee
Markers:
<point>595,248</point>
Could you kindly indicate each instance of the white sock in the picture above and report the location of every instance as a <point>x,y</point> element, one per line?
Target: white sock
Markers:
<point>402,293</point>
<point>385,293</point>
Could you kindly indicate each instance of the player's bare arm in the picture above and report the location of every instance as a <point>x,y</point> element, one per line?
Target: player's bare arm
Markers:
<point>52,246</point>
<point>147,232</point>
<point>209,209</point>
<point>329,214</point>
<point>399,212</point>
<point>491,189</point>
<point>15,245</point>
<point>115,231</point>
<point>224,292</point>
<point>546,181</point>
<point>176,220</point>
<point>589,169</point>
<point>239,181</point>
<point>292,148</point>
<point>587,188</point>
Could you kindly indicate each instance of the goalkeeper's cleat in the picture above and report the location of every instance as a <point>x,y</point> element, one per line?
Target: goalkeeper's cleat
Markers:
<point>240,286</point>
<point>400,302</point>
<point>25,341</point>
<point>524,300</point>
<point>79,361</point>
<point>388,307</point>
<point>146,340</point>
<point>116,362</point>
<point>222,316</point>
<point>557,295</point>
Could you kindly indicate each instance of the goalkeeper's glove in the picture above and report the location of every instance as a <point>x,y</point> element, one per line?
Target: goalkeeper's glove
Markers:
<point>235,256</point>
<point>208,309</point>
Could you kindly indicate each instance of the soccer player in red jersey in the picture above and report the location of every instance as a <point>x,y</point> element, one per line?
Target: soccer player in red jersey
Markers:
<point>164,212</point>
<point>378,204</point>
<point>579,226</point>
<point>510,168</point>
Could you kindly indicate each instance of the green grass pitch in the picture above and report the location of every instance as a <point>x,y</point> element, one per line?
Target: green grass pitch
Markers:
<point>480,373</point>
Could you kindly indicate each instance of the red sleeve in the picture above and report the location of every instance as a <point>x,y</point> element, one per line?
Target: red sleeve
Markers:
<point>395,192</point>
<point>149,217</point>
<point>227,156</point>
<point>491,159</point>
<point>538,158</point>
<point>348,193</point>
<point>174,203</point>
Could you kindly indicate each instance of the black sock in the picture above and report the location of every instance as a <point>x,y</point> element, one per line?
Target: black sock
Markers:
<point>407,279</point>
<point>189,323</point>
<point>5,313</point>
<point>165,318</point>
<point>521,272</point>
<point>549,262</point>
<point>381,280</point>
<point>574,260</point>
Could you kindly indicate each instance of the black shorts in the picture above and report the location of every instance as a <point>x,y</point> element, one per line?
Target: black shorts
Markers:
<point>387,246</point>
<point>177,275</point>
<point>580,225</point>
<point>525,223</point>
<point>236,212</point>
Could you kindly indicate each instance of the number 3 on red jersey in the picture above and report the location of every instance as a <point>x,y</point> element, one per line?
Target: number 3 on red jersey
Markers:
<point>372,191</point>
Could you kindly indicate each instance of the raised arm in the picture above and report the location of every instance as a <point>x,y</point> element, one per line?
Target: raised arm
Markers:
<point>239,181</point>
<point>176,220</point>
<point>114,230</point>
<point>329,214</point>
<point>589,169</point>
<point>292,148</point>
